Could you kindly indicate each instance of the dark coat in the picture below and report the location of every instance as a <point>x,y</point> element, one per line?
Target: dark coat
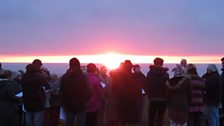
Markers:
<point>75,90</point>
<point>8,102</point>
<point>141,79</point>
<point>213,92</point>
<point>197,87</point>
<point>33,83</point>
<point>156,83</point>
<point>222,83</point>
<point>128,97</point>
<point>179,98</point>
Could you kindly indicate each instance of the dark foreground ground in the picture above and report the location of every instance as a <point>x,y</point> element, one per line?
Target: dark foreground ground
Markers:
<point>145,114</point>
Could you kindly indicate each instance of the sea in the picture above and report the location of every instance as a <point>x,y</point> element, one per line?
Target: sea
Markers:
<point>60,68</point>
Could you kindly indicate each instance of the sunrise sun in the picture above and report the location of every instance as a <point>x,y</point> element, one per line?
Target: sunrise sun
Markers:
<point>112,60</point>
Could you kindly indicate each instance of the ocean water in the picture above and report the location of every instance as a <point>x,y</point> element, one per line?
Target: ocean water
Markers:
<point>60,68</point>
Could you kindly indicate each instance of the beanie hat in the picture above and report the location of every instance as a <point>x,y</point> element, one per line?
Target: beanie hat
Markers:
<point>74,63</point>
<point>158,61</point>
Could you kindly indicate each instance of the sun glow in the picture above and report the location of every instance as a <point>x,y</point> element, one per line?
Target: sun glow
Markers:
<point>110,60</point>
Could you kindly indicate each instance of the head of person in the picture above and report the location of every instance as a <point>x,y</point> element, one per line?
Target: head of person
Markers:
<point>0,65</point>
<point>222,60</point>
<point>7,74</point>
<point>91,68</point>
<point>103,70</point>
<point>158,61</point>
<point>127,66</point>
<point>74,63</point>
<point>32,68</point>
<point>137,68</point>
<point>54,77</point>
<point>211,68</point>
<point>178,71</point>
<point>37,62</point>
<point>191,69</point>
<point>183,62</point>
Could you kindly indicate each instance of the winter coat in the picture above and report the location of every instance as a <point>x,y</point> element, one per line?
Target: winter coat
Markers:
<point>213,90</point>
<point>33,84</point>
<point>156,83</point>
<point>222,83</point>
<point>179,98</point>
<point>128,97</point>
<point>75,90</point>
<point>8,101</point>
<point>197,86</point>
<point>95,101</point>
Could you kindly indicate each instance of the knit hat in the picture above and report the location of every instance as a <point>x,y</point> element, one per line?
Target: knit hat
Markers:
<point>158,61</point>
<point>74,63</point>
<point>178,71</point>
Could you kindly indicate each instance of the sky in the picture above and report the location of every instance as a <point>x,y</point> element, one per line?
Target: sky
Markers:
<point>89,27</point>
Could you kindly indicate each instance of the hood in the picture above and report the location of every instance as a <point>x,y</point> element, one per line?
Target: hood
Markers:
<point>176,82</point>
<point>74,71</point>
<point>156,70</point>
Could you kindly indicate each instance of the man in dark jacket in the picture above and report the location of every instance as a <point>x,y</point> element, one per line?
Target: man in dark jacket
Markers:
<point>156,89</point>
<point>222,79</point>
<point>75,92</point>
<point>8,100</point>
<point>212,98</point>
<point>33,82</point>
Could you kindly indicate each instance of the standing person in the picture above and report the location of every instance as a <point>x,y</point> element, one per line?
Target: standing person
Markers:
<point>212,94</point>
<point>222,80</point>
<point>181,67</point>
<point>1,69</point>
<point>33,98</point>
<point>141,80</point>
<point>8,101</point>
<point>196,105</point>
<point>178,98</point>
<point>52,112</point>
<point>111,100</point>
<point>128,95</point>
<point>183,63</point>
<point>103,75</point>
<point>95,102</point>
<point>222,83</point>
<point>156,89</point>
<point>104,80</point>
<point>75,92</point>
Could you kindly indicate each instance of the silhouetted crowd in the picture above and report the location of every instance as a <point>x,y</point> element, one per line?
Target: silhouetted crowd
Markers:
<point>88,96</point>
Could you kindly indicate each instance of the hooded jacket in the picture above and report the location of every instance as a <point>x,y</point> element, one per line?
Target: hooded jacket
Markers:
<point>156,83</point>
<point>179,98</point>
<point>75,90</point>
<point>213,90</point>
<point>33,82</point>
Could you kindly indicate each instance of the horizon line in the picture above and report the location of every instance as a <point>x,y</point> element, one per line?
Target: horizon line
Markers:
<point>101,58</point>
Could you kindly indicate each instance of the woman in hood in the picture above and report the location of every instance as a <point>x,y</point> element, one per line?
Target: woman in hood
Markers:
<point>178,98</point>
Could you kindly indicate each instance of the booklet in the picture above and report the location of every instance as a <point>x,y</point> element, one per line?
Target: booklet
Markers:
<point>143,92</point>
<point>103,84</point>
<point>19,94</point>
